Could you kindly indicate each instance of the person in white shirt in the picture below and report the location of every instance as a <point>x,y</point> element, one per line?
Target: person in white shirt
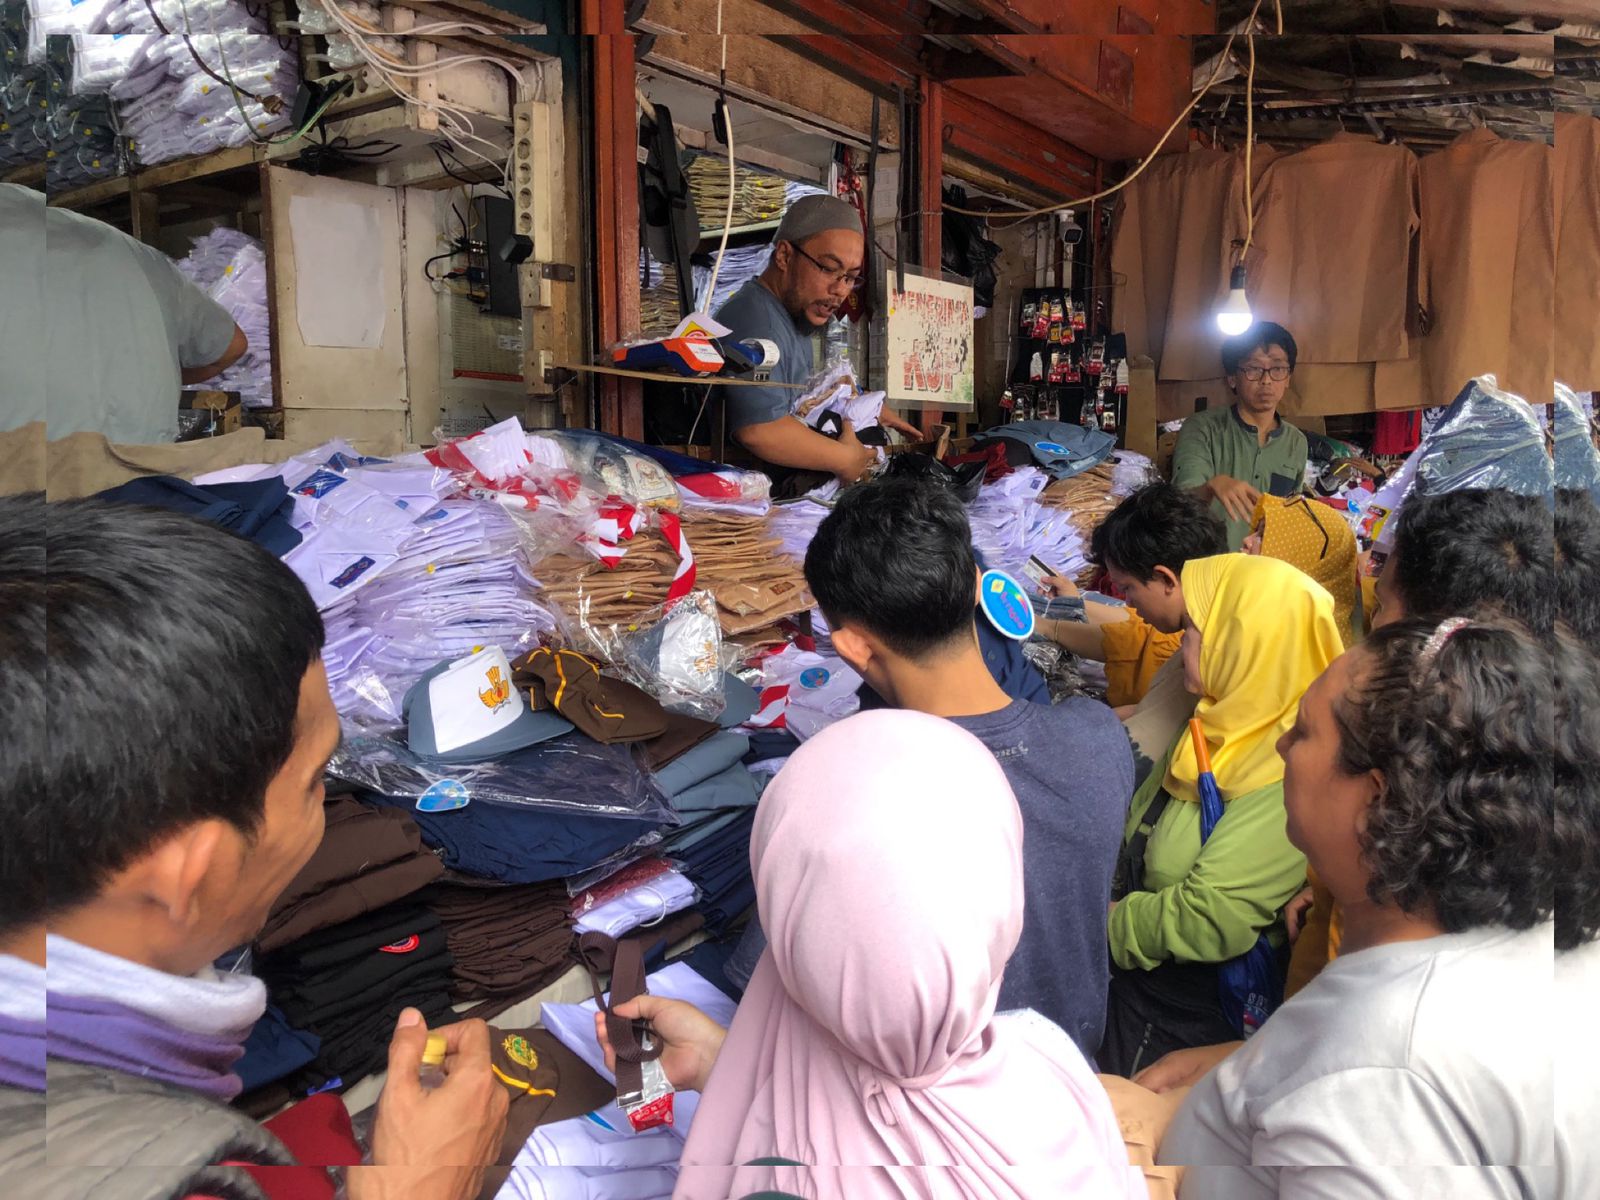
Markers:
<point>1418,784</point>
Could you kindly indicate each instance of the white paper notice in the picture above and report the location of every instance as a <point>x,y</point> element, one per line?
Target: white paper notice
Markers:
<point>338,271</point>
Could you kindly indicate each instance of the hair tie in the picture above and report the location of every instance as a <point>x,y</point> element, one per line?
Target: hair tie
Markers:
<point>1443,632</point>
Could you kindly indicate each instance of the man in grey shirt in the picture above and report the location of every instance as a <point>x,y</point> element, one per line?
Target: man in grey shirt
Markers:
<point>816,263</point>
<point>98,332</point>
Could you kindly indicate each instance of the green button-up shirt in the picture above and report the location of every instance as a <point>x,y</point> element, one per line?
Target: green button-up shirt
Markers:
<point>1220,442</point>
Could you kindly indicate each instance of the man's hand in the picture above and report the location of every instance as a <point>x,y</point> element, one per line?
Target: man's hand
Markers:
<point>889,421</point>
<point>861,458</point>
<point>692,1040</point>
<point>1238,498</point>
<point>1182,1068</point>
<point>1058,585</point>
<point>1295,912</point>
<point>434,1145</point>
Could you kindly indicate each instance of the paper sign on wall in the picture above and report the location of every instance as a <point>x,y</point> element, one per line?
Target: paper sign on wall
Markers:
<point>338,272</point>
<point>930,343</point>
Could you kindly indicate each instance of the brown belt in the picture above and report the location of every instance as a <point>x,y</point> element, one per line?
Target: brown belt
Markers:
<point>624,961</point>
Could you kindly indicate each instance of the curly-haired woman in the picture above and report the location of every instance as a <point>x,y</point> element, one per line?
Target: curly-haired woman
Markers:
<point>1418,782</point>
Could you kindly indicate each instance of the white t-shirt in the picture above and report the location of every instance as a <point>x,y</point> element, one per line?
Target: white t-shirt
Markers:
<point>1418,1069</point>
<point>118,321</point>
<point>1577,1069</point>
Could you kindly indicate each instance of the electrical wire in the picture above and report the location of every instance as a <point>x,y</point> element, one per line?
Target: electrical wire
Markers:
<point>439,153</point>
<point>1249,144</point>
<point>1216,72</point>
<point>733,183</point>
<point>193,53</point>
<point>454,124</point>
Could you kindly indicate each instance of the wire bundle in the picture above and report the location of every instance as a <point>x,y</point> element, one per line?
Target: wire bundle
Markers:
<point>379,52</point>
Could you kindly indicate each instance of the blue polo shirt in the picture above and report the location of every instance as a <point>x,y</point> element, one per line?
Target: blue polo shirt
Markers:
<point>754,312</point>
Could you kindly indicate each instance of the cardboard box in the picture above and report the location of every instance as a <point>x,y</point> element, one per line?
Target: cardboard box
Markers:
<point>1166,445</point>
<point>216,413</point>
<point>1139,427</point>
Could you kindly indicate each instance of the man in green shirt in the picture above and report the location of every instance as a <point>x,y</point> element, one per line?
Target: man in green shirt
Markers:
<point>1232,455</point>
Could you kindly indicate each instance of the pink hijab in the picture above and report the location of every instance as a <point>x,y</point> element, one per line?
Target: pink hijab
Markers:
<point>888,867</point>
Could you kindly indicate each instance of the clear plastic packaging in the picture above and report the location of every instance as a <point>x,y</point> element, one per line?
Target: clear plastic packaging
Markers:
<point>569,774</point>
<point>1488,438</point>
<point>673,652</point>
<point>1577,465</point>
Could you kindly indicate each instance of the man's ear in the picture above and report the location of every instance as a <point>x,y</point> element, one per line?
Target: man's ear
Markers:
<point>1166,576</point>
<point>850,644</point>
<point>173,875</point>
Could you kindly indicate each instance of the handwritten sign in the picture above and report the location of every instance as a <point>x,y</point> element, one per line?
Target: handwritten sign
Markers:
<point>930,343</point>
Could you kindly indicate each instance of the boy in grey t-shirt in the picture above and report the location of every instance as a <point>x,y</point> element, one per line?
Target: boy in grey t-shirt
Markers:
<point>893,570</point>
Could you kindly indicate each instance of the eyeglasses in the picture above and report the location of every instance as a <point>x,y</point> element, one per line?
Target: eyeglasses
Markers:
<point>1256,374</point>
<point>1304,503</point>
<point>833,274</point>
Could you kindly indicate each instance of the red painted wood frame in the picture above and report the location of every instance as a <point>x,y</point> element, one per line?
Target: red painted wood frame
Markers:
<point>616,194</point>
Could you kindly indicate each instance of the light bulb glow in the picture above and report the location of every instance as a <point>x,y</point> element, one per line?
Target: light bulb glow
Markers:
<point>1234,317</point>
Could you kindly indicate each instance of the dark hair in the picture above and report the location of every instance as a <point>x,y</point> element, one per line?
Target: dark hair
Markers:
<point>1577,792</point>
<point>176,653</point>
<point>1263,335</point>
<point>1460,551</point>
<point>22,706</point>
<point>895,557</point>
<point>1157,526</point>
<point>1577,569</point>
<point>1462,735</point>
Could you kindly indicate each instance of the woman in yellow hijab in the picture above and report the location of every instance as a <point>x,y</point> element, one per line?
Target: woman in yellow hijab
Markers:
<point>1315,538</point>
<point>1257,631</point>
<point>1312,536</point>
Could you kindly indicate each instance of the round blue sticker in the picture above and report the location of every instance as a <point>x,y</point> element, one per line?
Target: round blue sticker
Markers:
<point>443,796</point>
<point>814,678</point>
<point>1006,604</point>
<point>1050,447</point>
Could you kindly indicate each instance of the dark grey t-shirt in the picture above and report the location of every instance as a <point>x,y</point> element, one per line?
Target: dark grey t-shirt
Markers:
<point>1071,768</point>
<point>754,312</point>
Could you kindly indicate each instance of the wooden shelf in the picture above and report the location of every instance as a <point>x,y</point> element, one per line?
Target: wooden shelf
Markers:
<point>739,235</point>
<point>31,175</point>
<point>152,179</point>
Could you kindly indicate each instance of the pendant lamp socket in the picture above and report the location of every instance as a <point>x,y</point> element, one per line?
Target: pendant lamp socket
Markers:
<point>1234,317</point>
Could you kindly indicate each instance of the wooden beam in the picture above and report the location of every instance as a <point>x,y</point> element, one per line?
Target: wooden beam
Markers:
<point>616,193</point>
<point>930,194</point>
<point>200,195</point>
<point>146,208</point>
<point>983,134</point>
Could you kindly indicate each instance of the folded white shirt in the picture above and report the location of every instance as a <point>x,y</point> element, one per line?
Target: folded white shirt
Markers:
<point>647,904</point>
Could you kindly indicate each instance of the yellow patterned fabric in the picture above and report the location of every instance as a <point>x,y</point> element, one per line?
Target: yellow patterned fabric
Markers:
<point>1308,534</point>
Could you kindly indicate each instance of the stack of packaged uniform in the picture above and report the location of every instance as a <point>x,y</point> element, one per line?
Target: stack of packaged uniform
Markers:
<point>232,269</point>
<point>232,82</point>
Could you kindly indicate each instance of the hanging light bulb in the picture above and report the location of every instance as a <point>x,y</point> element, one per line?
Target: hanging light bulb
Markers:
<point>1234,317</point>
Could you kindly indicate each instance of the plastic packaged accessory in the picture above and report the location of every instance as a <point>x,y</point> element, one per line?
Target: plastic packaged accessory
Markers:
<point>1488,438</point>
<point>674,652</point>
<point>1577,462</point>
<point>569,774</point>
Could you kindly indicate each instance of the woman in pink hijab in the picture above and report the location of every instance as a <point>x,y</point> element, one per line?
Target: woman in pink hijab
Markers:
<point>888,867</point>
